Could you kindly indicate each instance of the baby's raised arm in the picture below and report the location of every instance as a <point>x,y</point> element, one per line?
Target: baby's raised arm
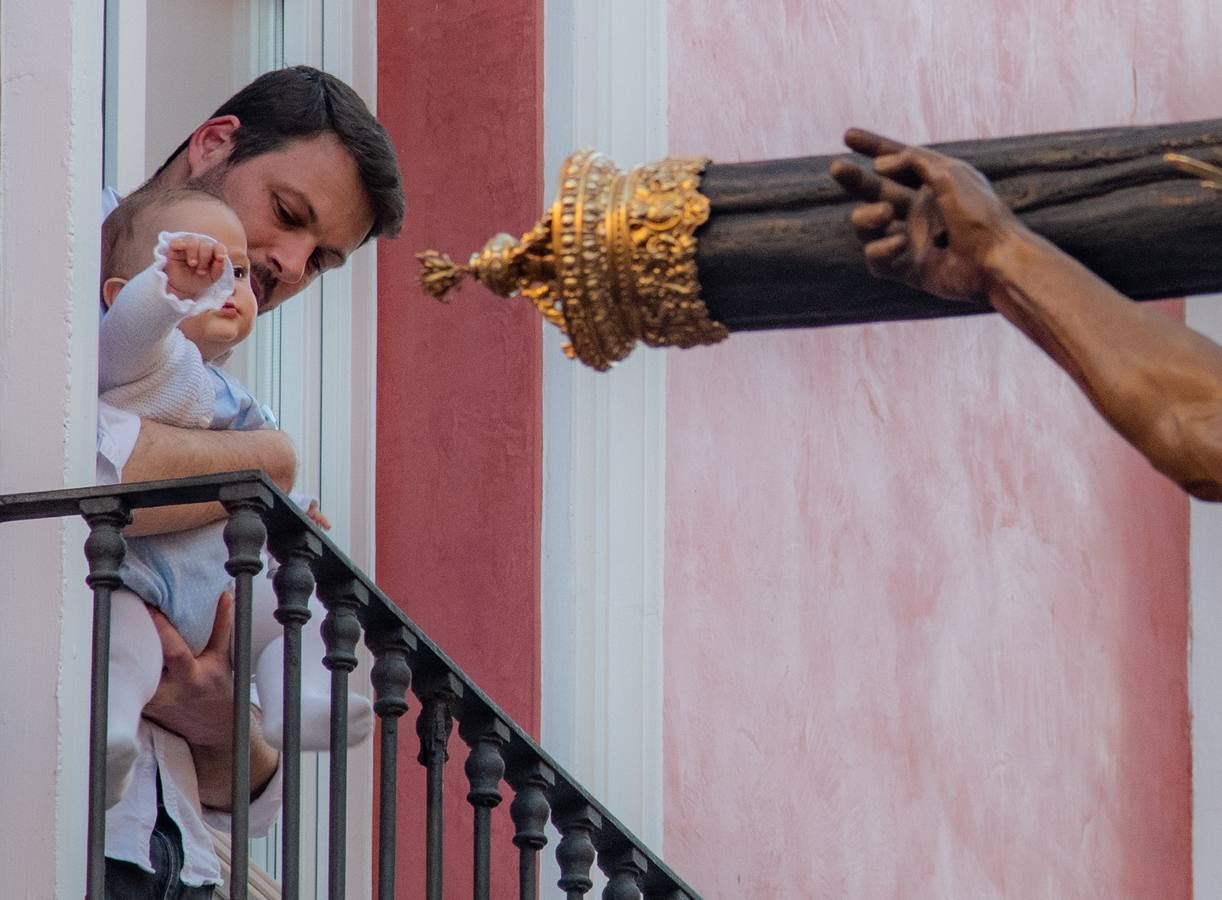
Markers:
<point>134,337</point>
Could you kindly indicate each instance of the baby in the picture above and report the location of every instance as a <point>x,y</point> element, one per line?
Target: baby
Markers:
<point>166,328</point>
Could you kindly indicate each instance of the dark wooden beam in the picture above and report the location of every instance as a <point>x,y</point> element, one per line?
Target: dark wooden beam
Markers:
<point>778,251</point>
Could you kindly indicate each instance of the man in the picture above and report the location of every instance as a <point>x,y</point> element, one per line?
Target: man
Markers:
<point>935,223</point>
<point>312,176</point>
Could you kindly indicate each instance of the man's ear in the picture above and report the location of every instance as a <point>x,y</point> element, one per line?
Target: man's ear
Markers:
<point>110,289</point>
<point>210,144</point>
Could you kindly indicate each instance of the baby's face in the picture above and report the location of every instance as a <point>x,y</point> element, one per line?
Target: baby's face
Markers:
<point>220,330</point>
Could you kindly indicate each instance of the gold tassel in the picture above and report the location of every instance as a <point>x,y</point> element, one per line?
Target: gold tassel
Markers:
<point>439,274</point>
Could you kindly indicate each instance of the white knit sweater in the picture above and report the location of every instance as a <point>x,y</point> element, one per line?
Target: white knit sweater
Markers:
<point>145,364</point>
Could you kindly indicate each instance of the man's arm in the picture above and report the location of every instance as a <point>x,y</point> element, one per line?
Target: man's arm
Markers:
<point>936,224</point>
<point>214,769</point>
<point>195,700</point>
<point>162,451</point>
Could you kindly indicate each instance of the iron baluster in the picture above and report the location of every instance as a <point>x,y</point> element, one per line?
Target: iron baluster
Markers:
<point>529,812</point>
<point>391,676</point>
<point>433,727</point>
<point>575,852</point>
<point>400,649</point>
<point>341,630</point>
<point>625,867</point>
<point>104,549</point>
<point>294,582</point>
<point>244,536</point>
<point>485,766</point>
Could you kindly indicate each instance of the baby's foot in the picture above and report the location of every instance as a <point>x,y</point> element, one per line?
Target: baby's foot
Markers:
<point>316,723</point>
<point>360,719</point>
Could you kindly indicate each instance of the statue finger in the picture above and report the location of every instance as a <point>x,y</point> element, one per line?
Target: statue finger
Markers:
<point>888,257</point>
<point>871,220</point>
<point>870,144</point>
<point>916,167</point>
<point>853,179</point>
<point>866,185</point>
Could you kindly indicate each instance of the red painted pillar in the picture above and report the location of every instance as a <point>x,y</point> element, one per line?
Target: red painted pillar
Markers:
<point>459,387</point>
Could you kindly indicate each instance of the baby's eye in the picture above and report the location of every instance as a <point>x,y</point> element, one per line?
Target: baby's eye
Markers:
<point>239,272</point>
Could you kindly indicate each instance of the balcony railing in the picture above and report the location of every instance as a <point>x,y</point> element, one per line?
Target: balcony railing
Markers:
<point>404,657</point>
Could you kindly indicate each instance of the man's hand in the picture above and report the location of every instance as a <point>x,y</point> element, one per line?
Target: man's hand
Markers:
<point>195,700</point>
<point>195,696</point>
<point>317,517</point>
<point>926,219</point>
<point>935,223</point>
<point>194,262</point>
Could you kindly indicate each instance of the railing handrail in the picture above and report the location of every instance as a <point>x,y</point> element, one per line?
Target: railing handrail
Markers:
<point>427,661</point>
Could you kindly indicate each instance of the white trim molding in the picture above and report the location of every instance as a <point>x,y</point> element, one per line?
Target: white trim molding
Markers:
<point>605,446</point>
<point>50,211</point>
<point>329,346</point>
<point>314,362</point>
<point>126,72</point>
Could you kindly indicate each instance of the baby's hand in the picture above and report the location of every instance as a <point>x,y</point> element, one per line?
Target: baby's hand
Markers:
<point>193,263</point>
<point>317,517</point>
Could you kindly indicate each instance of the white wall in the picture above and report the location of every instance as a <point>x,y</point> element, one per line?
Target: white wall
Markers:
<point>50,177</point>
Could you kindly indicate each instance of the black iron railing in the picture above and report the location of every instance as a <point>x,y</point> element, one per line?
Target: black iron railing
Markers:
<point>500,751</point>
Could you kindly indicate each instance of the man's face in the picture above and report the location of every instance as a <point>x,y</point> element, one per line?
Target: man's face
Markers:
<point>304,209</point>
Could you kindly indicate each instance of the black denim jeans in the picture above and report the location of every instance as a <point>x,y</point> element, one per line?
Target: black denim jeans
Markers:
<point>127,881</point>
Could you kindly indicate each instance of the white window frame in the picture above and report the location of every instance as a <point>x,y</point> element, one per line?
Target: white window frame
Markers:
<point>325,398</point>
<point>125,94</point>
<point>604,447</point>
<point>325,395</point>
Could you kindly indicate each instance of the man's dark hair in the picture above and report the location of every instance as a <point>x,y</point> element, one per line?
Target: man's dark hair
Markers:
<point>299,102</point>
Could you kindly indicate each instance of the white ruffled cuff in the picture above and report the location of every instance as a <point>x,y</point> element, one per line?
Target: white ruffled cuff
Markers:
<point>213,297</point>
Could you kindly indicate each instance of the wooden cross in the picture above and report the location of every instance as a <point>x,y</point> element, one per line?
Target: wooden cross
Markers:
<point>1138,206</point>
<point>627,257</point>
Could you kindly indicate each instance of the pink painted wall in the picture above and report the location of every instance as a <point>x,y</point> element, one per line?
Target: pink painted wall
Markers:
<point>459,394</point>
<point>925,632</point>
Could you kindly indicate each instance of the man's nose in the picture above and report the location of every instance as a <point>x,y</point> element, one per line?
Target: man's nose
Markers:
<point>291,259</point>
